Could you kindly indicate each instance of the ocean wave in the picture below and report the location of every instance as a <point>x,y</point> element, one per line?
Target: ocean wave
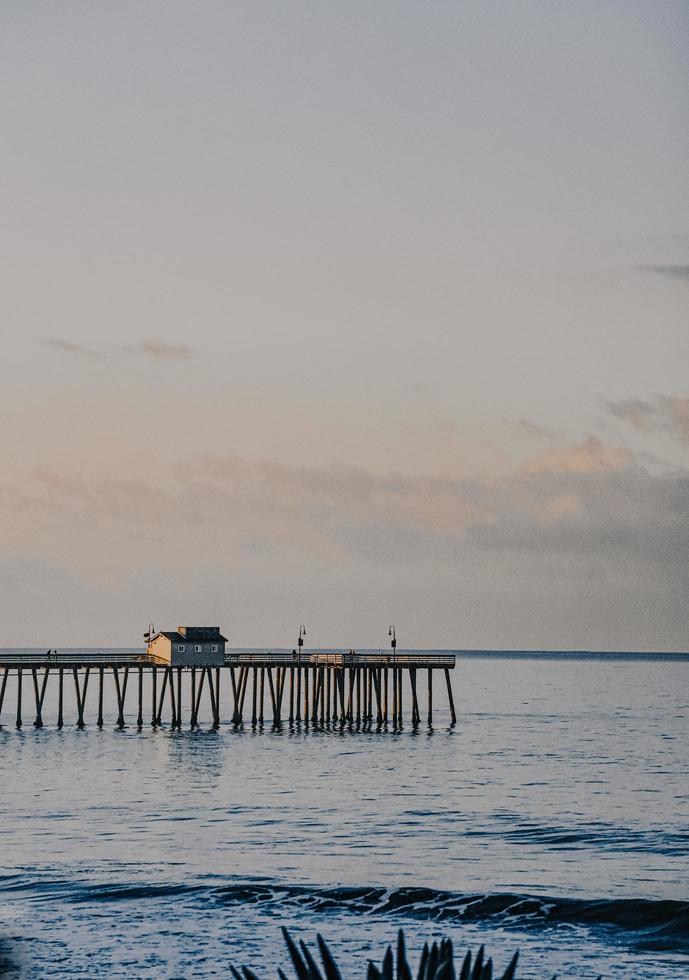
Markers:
<point>650,924</point>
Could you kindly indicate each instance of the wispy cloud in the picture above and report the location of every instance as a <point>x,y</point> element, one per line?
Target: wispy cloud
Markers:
<point>70,347</point>
<point>161,350</point>
<point>537,431</point>
<point>664,414</point>
<point>155,349</point>
<point>680,272</point>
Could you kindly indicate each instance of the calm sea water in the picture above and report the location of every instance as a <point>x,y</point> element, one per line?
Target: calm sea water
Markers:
<point>552,819</point>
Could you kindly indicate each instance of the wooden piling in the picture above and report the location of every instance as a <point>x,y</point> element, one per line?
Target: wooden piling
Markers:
<point>38,723</point>
<point>213,694</point>
<point>394,697</point>
<point>315,677</point>
<point>430,698</point>
<point>385,695</point>
<point>81,694</point>
<point>161,700</point>
<point>99,720</point>
<point>154,696</point>
<point>216,721</point>
<point>5,675</point>
<point>179,697</point>
<point>261,695</point>
<point>140,701</point>
<point>273,697</point>
<point>173,706</point>
<point>121,692</point>
<point>60,698</point>
<point>242,695</point>
<point>450,699</point>
<point>415,715</point>
<point>197,700</point>
<point>192,718</point>
<point>19,697</point>
<point>321,692</point>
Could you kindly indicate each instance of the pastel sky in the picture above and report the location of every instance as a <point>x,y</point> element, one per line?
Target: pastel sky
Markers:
<point>345,314</point>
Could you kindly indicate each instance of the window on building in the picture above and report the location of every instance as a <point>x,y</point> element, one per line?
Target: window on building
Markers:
<point>181,648</point>
<point>214,647</point>
<point>197,648</point>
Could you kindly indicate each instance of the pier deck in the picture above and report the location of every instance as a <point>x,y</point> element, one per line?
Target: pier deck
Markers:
<point>310,688</point>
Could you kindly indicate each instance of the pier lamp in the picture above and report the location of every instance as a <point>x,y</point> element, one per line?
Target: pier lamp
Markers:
<point>300,641</point>
<point>393,641</point>
<point>149,635</point>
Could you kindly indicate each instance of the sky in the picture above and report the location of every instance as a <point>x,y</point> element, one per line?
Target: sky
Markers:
<point>345,314</point>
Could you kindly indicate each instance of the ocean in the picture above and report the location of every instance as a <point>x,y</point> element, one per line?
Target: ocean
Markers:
<point>552,819</point>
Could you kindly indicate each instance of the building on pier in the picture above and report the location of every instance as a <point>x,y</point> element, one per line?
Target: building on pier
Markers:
<point>188,646</point>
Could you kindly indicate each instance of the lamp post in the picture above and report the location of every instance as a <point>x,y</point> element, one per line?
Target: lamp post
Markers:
<point>300,641</point>
<point>149,635</point>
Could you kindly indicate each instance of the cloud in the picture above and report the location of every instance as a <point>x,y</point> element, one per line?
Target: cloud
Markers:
<point>680,272</point>
<point>69,347</point>
<point>665,414</point>
<point>160,350</point>
<point>583,537</point>
<point>590,456</point>
<point>156,349</point>
<point>589,499</point>
<point>537,431</point>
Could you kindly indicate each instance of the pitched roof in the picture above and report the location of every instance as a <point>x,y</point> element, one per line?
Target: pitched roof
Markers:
<point>177,637</point>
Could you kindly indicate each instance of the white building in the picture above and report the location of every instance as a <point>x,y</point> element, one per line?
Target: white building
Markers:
<point>188,646</point>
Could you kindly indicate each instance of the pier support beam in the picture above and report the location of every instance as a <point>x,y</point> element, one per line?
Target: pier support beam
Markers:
<point>297,696</point>
<point>415,714</point>
<point>430,698</point>
<point>19,697</point>
<point>154,697</point>
<point>212,693</point>
<point>60,697</point>
<point>450,699</point>
<point>38,723</point>
<point>394,697</point>
<point>196,699</point>
<point>121,692</point>
<point>171,688</point>
<point>192,719</point>
<point>161,700</point>
<point>5,675</point>
<point>81,694</point>
<point>101,673</point>
<point>140,705</point>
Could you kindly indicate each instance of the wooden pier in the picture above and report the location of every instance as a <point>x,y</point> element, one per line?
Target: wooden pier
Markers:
<point>363,691</point>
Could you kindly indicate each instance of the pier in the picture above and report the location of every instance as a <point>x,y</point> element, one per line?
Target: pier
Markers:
<point>348,690</point>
